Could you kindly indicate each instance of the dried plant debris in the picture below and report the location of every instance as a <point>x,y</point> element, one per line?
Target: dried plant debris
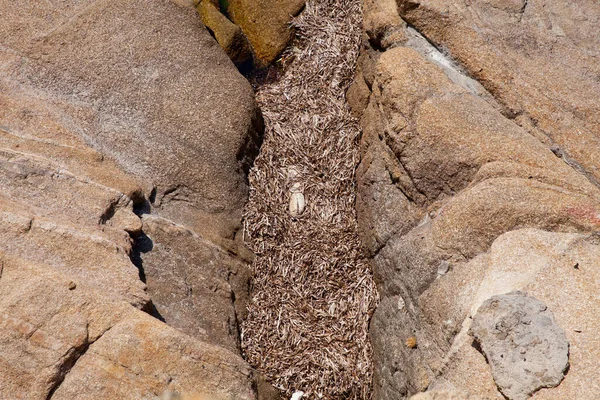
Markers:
<point>313,291</point>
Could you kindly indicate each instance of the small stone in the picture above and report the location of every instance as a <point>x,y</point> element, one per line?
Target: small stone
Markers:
<point>425,220</point>
<point>332,309</point>
<point>127,220</point>
<point>72,285</point>
<point>297,204</point>
<point>411,342</point>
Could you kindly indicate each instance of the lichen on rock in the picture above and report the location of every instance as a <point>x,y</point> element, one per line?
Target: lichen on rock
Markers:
<point>522,343</point>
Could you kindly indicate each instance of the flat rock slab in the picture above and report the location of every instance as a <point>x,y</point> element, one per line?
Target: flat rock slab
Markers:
<point>524,346</point>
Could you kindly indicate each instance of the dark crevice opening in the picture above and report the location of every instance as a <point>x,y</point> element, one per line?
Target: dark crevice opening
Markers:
<point>142,244</point>
<point>66,367</point>
<point>211,32</point>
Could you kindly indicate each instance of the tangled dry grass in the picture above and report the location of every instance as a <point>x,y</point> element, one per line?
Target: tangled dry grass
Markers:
<point>313,292</point>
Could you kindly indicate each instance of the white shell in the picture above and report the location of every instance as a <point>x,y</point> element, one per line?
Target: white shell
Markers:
<point>297,204</point>
<point>297,395</point>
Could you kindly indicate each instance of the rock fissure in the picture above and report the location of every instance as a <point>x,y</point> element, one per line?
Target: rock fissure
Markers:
<point>66,367</point>
<point>76,353</point>
<point>313,292</point>
<point>452,67</point>
<point>570,161</point>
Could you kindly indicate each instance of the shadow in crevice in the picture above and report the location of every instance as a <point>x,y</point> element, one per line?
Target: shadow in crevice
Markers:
<point>142,244</point>
<point>150,308</point>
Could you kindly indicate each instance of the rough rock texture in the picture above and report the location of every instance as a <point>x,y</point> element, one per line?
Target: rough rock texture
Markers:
<point>463,195</point>
<point>110,110</point>
<point>554,90</point>
<point>196,300</point>
<point>266,24</point>
<point>444,394</point>
<point>152,358</point>
<point>525,348</point>
<point>75,343</point>
<point>228,35</point>
<point>157,109</point>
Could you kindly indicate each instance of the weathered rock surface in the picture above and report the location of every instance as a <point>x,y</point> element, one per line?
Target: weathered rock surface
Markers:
<point>525,348</point>
<point>173,112</point>
<point>548,266</point>
<point>150,358</point>
<point>110,110</point>
<point>63,344</point>
<point>444,394</point>
<point>194,283</point>
<point>538,58</point>
<point>463,197</point>
<point>266,24</point>
<point>228,35</point>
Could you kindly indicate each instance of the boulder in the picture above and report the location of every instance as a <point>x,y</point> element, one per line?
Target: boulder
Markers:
<point>430,149</point>
<point>554,90</point>
<point>195,286</point>
<point>174,113</point>
<point>446,175</point>
<point>144,358</point>
<point>110,110</point>
<point>64,342</point>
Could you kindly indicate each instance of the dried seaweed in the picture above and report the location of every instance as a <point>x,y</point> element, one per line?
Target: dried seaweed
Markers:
<point>313,292</point>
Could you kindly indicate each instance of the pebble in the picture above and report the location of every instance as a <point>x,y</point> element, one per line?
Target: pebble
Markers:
<point>443,268</point>
<point>411,342</point>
